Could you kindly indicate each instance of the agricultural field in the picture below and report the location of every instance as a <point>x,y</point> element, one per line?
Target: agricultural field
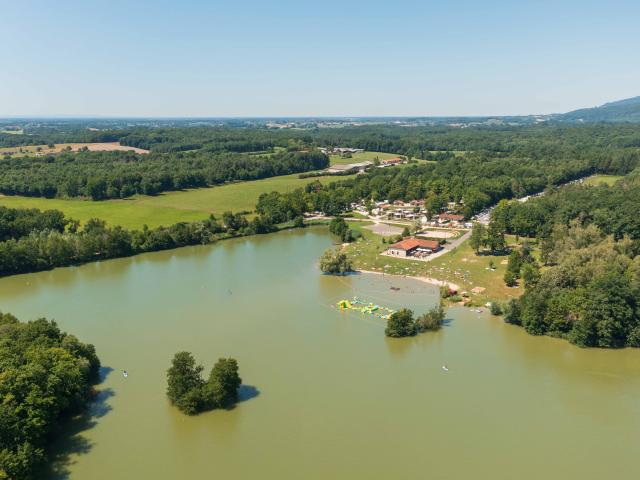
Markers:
<point>461,266</point>
<point>59,147</point>
<point>601,179</point>
<point>170,207</point>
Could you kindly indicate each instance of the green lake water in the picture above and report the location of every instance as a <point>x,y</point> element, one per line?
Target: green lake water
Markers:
<point>326,395</point>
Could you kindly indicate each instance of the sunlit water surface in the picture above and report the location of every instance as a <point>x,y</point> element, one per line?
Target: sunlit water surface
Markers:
<point>326,395</point>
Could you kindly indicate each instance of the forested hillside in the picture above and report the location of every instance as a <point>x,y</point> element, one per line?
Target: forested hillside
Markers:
<point>627,110</point>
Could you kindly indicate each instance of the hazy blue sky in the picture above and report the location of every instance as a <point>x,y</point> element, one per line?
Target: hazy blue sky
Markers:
<point>325,57</point>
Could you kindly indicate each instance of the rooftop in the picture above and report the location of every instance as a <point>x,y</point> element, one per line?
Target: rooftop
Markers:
<point>411,243</point>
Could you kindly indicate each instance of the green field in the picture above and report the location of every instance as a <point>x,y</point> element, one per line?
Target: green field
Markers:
<point>601,179</point>
<point>460,266</point>
<point>360,157</point>
<point>170,207</point>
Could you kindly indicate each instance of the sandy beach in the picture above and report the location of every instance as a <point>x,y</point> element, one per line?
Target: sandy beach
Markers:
<point>432,281</point>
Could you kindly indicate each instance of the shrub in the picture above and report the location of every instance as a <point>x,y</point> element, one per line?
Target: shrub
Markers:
<point>401,324</point>
<point>335,262</point>
<point>432,320</point>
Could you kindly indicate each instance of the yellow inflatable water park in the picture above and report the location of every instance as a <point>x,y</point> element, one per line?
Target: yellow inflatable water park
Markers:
<point>365,308</point>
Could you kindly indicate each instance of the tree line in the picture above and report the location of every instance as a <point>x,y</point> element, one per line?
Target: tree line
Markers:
<point>63,243</point>
<point>17,222</point>
<point>426,141</point>
<point>46,375</point>
<point>105,175</point>
<point>612,208</point>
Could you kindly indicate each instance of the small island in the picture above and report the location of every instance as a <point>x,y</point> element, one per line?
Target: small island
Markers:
<point>187,390</point>
<point>335,262</point>
<point>403,324</point>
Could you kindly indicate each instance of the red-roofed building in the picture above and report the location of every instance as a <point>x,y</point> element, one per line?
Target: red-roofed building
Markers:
<point>413,246</point>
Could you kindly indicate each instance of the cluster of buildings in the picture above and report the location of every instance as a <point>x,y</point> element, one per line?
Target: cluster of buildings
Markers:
<point>414,211</point>
<point>360,167</point>
<point>340,150</point>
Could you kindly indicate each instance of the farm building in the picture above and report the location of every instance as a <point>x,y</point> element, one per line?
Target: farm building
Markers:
<point>413,247</point>
<point>391,161</point>
<point>360,167</point>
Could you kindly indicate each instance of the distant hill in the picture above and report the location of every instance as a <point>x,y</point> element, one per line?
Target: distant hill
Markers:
<point>627,110</point>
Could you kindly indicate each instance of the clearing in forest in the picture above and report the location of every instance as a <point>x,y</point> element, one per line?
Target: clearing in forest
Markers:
<point>25,150</point>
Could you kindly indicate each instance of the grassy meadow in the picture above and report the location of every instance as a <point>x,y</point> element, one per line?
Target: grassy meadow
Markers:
<point>169,207</point>
<point>601,179</point>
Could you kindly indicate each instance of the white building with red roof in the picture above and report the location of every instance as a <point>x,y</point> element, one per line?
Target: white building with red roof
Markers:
<point>413,246</point>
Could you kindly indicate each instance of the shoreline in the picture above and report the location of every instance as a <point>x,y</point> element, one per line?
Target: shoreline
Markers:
<point>432,281</point>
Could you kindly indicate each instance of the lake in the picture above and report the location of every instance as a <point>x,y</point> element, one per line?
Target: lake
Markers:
<point>326,395</point>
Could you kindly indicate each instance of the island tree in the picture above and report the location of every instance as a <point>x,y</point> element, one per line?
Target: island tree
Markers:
<point>335,262</point>
<point>187,390</point>
<point>431,320</point>
<point>401,324</point>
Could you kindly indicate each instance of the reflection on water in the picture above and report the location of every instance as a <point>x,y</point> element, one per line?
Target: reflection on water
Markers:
<point>73,441</point>
<point>325,394</point>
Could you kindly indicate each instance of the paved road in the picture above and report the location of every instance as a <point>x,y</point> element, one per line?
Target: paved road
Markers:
<point>448,247</point>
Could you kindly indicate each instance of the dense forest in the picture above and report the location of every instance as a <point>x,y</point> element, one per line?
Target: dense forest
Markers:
<point>614,209</point>
<point>589,292</point>
<point>103,175</point>
<point>588,289</point>
<point>16,223</point>
<point>46,374</point>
